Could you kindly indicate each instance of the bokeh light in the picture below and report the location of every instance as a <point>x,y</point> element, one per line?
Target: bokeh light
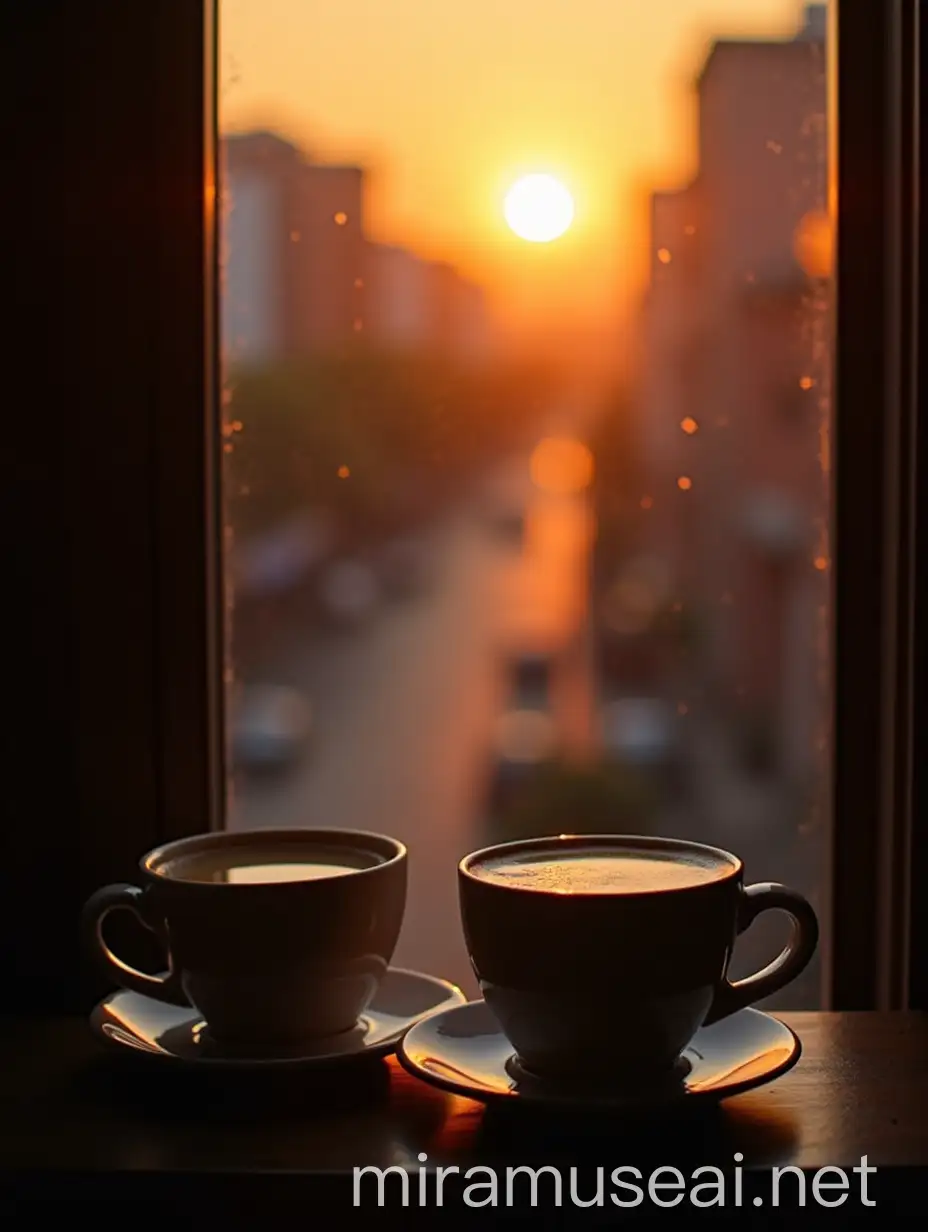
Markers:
<point>561,466</point>
<point>813,244</point>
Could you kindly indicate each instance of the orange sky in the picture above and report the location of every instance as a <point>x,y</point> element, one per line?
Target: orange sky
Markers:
<point>447,101</point>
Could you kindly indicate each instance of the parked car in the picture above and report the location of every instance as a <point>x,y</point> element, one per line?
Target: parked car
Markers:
<point>348,591</point>
<point>525,735</point>
<point>405,567</point>
<point>642,733</point>
<point>531,676</point>
<point>507,524</point>
<point>271,728</point>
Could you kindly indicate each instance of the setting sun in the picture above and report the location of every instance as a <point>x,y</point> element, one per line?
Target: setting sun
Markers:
<point>539,208</point>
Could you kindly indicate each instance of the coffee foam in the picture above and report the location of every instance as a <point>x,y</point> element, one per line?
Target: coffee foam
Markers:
<point>602,870</point>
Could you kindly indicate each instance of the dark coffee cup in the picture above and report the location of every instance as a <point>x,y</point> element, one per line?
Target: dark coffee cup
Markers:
<point>274,936</point>
<point>602,956</point>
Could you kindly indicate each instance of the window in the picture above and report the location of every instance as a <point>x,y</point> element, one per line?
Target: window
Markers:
<point>110,538</point>
<point>519,540</point>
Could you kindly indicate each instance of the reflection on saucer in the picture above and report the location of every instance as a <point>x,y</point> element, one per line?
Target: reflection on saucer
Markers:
<point>346,1042</point>
<point>136,1025</point>
<point>127,1040</point>
<point>747,1071</point>
<point>636,1088</point>
<point>463,1050</point>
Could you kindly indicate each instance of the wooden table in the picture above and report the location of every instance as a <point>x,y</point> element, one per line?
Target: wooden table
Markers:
<point>77,1122</point>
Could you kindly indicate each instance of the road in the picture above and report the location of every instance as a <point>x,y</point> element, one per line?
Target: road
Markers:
<point>405,709</point>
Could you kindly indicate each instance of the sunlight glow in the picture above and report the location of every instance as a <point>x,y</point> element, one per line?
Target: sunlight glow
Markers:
<point>538,208</point>
<point>561,467</point>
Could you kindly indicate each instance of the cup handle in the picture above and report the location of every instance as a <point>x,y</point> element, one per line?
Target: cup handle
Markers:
<point>97,908</point>
<point>790,962</point>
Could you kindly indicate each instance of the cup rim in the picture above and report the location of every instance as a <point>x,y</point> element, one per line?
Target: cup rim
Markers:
<point>242,838</point>
<point>641,841</point>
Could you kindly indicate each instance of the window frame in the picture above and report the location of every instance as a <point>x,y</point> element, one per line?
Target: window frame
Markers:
<point>111,521</point>
<point>119,672</point>
<point>874,934</point>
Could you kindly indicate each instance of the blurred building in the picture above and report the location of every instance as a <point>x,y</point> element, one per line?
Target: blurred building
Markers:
<point>293,250</point>
<point>671,356</point>
<point>412,304</point>
<point>300,276</point>
<point>733,392</point>
<point>397,312</point>
<point>460,315</point>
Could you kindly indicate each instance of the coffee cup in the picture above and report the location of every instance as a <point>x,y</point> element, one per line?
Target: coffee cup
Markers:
<point>602,956</point>
<point>273,936</point>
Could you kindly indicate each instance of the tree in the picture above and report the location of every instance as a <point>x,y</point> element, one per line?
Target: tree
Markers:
<point>374,438</point>
<point>562,798</point>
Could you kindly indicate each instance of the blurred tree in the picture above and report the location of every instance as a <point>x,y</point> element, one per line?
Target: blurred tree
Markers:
<point>297,447</point>
<point>376,438</point>
<point>604,798</point>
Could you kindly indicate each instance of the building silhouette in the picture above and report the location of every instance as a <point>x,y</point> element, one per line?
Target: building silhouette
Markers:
<point>732,395</point>
<point>293,250</point>
<point>301,275</point>
<point>414,305</point>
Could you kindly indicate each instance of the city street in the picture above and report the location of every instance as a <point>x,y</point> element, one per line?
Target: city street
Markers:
<point>404,709</point>
<point>404,706</point>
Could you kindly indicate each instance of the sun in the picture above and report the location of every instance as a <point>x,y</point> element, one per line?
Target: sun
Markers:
<point>538,208</point>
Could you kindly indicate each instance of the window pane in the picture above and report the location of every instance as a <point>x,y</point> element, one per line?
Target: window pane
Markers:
<point>526,329</point>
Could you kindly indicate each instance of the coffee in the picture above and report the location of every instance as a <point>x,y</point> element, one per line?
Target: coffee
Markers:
<point>602,955</point>
<point>601,870</point>
<point>274,937</point>
<point>275,864</point>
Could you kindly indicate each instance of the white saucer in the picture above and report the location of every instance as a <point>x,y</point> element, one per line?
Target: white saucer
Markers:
<point>132,1024</point>
<point>464,1051</point>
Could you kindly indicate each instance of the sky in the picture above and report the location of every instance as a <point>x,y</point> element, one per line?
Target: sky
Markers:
<point>447,102</point>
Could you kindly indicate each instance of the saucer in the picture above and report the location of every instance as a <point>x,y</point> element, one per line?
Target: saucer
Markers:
<point>463,1050</point>
<point>129,1023</point>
